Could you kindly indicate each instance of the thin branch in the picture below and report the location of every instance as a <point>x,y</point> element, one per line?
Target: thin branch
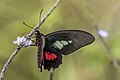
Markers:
<point>108,52</point>
<point>28,37</point>
<point>51,73</point>
<point>10,60</point>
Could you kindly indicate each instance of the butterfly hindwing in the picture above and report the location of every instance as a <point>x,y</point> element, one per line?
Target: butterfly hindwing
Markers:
<point>68,41</point>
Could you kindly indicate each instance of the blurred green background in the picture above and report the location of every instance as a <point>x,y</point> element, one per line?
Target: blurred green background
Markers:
<point>88,63</point>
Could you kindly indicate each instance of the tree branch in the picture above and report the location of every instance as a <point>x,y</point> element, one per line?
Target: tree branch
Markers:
<point>108,52</point>
<point>27,37</point>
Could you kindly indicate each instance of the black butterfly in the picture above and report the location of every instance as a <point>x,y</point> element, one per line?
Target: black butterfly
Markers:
<point>60,42</point>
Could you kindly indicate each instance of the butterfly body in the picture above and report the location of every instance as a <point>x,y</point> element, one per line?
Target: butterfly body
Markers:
<point>39,55</point>
<point>60,43</point>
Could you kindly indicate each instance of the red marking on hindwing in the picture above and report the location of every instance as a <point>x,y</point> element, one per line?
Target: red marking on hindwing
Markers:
<point>50,56</point>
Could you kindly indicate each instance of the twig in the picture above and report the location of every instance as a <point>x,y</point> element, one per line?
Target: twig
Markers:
<point>28,37</point>
<point>108,52</point>
<point>10,60</point>
<point>51,73</point>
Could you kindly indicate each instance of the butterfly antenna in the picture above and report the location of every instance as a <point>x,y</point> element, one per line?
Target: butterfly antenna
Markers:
<point>27,25</point>
<point>39,20</point>
<point>40,14</point>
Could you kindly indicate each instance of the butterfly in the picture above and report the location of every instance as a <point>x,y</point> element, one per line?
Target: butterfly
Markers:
<point>58,43</point>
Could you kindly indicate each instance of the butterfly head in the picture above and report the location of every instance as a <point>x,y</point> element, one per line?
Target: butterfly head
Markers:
<point>37,32</point>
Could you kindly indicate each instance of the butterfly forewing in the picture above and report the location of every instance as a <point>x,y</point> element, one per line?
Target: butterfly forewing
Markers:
<point>68,41</point>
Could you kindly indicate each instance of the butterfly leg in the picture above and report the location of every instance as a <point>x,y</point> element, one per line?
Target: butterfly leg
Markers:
<point>34,43</point>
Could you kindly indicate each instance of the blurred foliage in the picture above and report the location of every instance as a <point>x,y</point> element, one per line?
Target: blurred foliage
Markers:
<point>88,63</point>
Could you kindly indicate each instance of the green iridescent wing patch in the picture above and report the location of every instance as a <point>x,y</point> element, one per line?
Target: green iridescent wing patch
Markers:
<point>61,44</point>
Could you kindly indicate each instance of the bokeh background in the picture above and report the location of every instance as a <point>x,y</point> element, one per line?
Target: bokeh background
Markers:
<point>88,63</point>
